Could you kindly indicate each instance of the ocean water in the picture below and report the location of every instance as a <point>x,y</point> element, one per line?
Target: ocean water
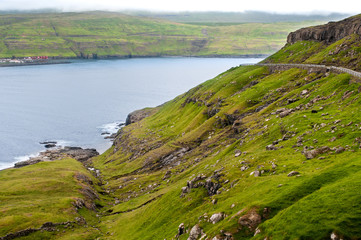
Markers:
<point>73,104</point>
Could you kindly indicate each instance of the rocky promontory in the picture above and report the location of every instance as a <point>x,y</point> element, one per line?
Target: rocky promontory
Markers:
<point>77,153</point>
<point>328,33</point>
<point>138,115</point>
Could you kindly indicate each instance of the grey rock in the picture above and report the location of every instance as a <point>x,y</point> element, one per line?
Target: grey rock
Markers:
<point>340,150</point>
<point>237,153</point>
<point>180,229</point>
<point>215,218</point>
<point>313,153</point>
<point>293,173</point>
<point>195,232</point>
<point>271,147</point>
<point>244,168</point>
<point>250,220</point>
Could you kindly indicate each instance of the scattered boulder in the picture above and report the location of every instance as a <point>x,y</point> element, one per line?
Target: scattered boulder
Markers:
<point>215,218</point>
<point>313,153</point>
<point>340,150</point>
<point>212,187</point>
<point>304,92</point>
<point>285,113</point>
<point>271,147</point>
<point>293,173</point>
<point>257,173</point>
<point>244,168</point>
<point>237,153</point>
<point>250,220</point>
<point>195,233</point>
<point>180,230</point>
<point>274,166</point>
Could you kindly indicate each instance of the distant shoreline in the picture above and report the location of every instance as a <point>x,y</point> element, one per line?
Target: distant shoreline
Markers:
<point>32,64</point>
<point>58,60</point>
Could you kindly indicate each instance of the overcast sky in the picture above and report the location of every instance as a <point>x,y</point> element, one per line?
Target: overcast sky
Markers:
<point>279,6</point>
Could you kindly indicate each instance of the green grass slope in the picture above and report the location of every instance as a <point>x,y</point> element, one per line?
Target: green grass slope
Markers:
<point>273,154</point>
<point>255,153</point>
<point>42,199</point>
<point>202,132</point>
<point>105,34</point>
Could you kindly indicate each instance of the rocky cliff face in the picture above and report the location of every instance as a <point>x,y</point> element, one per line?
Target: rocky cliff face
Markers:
<point>328,33</point>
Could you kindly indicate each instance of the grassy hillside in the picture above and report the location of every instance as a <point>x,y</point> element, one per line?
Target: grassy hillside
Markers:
<point>105,34</point>
<point>48,199</point>
<point>230,131</point>
<point>232,18</point>
<point>345,53</point>
<point>255,153</point>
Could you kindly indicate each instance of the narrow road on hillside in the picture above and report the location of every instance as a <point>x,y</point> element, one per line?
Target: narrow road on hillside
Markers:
<point>313,66</point>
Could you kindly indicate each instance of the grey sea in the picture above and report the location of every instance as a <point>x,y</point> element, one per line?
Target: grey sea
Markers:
<point>74,104</point>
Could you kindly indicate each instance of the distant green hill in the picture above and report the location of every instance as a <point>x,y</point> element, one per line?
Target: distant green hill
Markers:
<point>105,35</point>
<point>232,18</point>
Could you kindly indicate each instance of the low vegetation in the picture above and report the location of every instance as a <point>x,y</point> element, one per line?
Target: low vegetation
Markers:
<point>255,153</point>
<point>106,35</point>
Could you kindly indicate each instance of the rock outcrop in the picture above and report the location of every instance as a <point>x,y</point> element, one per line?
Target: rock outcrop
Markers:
<point>138,115</point>
<point>77,153</point>
<point>328,33</point>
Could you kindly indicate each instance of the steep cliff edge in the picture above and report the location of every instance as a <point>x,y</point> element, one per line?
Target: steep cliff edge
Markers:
<point>328,33</point>
<point>334,44</point>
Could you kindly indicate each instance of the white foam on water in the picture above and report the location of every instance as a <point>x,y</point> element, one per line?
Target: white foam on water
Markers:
<point>110,127</point>
<point>62,143</point>
<point>4,165</point>
<point>26,157</point>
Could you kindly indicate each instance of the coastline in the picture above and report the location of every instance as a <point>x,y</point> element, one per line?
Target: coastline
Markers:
<point>58,149</point>
<point>105,126</point>
<point>32,64</point>
<point>68,60</point>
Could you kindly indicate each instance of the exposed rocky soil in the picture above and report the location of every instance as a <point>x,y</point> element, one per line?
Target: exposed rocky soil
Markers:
<point>328,33</point>
<point>138,115</point>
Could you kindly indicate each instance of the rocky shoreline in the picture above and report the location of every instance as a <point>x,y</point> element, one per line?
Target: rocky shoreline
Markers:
<point>58,153</point>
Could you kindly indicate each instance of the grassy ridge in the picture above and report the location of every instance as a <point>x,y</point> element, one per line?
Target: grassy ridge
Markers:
<point>104,34</point>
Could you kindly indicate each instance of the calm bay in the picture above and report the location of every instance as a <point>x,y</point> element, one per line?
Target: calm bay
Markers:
<point>73,104</point>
